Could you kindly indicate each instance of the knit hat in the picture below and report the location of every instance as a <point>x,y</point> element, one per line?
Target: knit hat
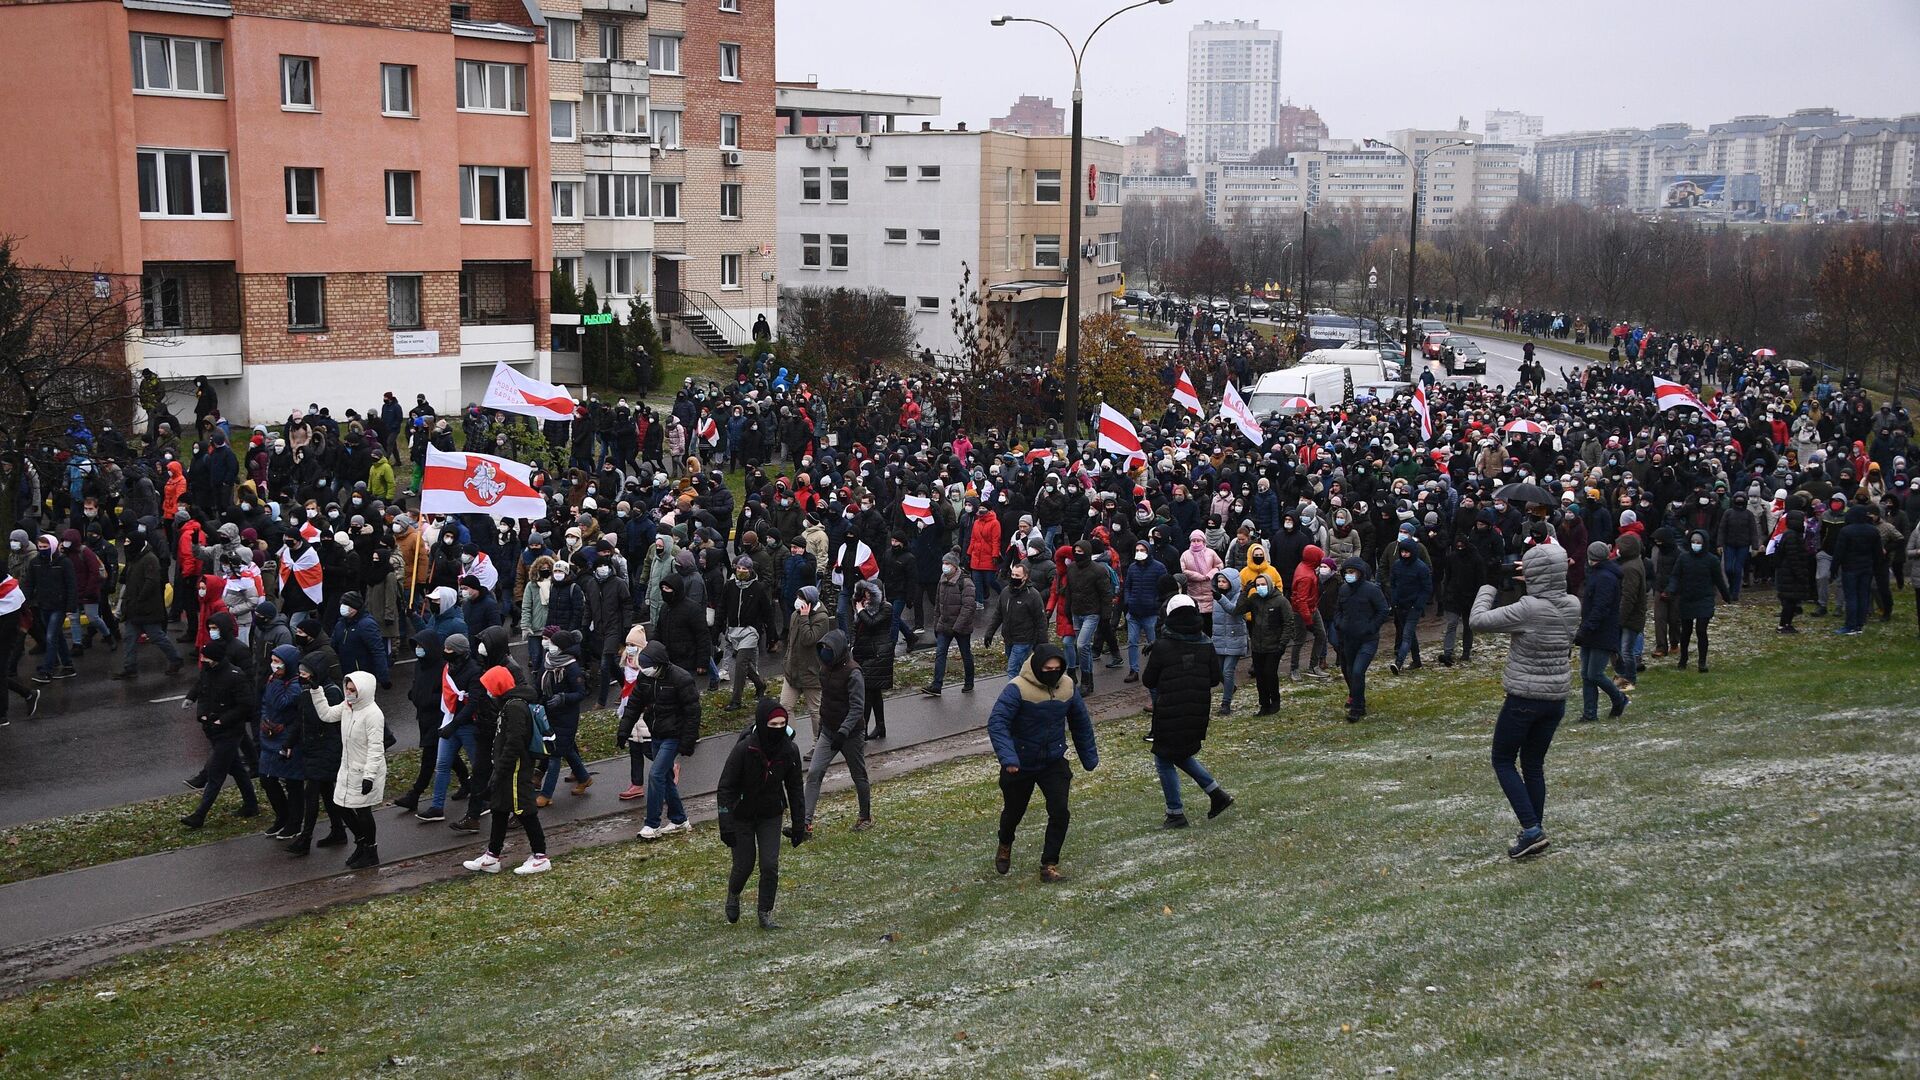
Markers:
<point>498,681</point>
<point>1598,551</point>
<point>1628,517</point>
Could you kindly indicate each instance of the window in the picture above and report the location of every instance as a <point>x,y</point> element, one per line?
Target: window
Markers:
<point>837,250</point>
<point>730,5</point>
<point>614,114</point>
<point>401,190</point>
<point>1109,249</point>
<point>493,194</point>
<point>296,82</point>
<point>566,199</point>
<point>1046,251</point>
<point>607,40</point>
<point>177,65</point>
<point>896,172</point>
<point>568,266</point>
<point>810,249</point>
<point>896,236</point>
<point>1109,189</point>
<point>730,202</point>
<point>160,306</point>
<point>930,303</point>
<point>182,183</point>
<point>396,89</point>
<point>616,195</point>
<point>729,271</point>
<point>666,200</point>
<point>729,62</point>
<point>663,54</point>
<point>485,87</point>
<point>563,121</point>
<point>809,185</point>
<point>897,301</point>
<point>616,273</point>
<point>1046,185</point>
<point>303,194</point>
<point>666,128</point>
<point>306,303</point>
<point>837,184</point>
<point>563,36</point>
<point>929,172</point>
<point>403,302</point>
<point>729,131</point>
<point>929,236</point>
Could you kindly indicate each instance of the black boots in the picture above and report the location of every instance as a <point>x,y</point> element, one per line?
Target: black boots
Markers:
<point>1217,802</point>
<point>335,838</point>
<point>364,856</point>
<point>733,907</point>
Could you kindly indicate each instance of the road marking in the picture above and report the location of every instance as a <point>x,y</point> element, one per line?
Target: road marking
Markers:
<point>163,700</point>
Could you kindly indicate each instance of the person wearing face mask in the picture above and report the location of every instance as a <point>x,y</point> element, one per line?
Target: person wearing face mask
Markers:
<point>760,782</point>
<point>478,609</point>
<point>1198,564</point>
<point>953,621</point>
<point>512,776</point>
<point>1690,586</point>
<point>609,614</point>
<point>1409,586</point>
<point>1311,629</point>
<point>225,702</point>
<point>52,593</point>
<point>983,547</point>
<point>1141,593</point>
<point>744,618</point>
<point>561,689</point>
<point>320,748</point>
<point>1181,672</point>
<point>842,724</point>
<point>1028,728</point>
<point>800,677</point>
<point>1271,624</point>
<point>1359,611</point>
<point>666,701</point>
<point>1463,572</point>
<point>361,781</point>
<point>455,704</point>
<point>1087,592</point>
<point>143,608</point>
<point>281,770</point>
<point>1599,634</point>
<point>357,640</point>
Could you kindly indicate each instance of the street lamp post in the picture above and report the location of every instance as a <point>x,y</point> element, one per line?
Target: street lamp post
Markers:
<point>1413,228</point>
<point>1070,377</point>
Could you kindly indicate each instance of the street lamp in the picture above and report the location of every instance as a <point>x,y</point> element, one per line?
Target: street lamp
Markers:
<point>1070,377</point>
<point>1413,226</point>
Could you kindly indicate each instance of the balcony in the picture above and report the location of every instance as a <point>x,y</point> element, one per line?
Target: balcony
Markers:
<point>614,77</point>
<point>190,319</point>
<point>623,7</point>
<point>496,293</point>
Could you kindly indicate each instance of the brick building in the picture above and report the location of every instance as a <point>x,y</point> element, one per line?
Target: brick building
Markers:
<point>1157,153</point>
<point>1032,116</point>
<point>319,201</point>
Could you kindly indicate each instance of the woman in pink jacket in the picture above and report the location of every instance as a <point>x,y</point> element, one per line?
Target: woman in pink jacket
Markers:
<point>1198,563</point>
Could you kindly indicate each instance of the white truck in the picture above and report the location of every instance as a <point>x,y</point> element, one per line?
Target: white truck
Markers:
<point>1325,385</point>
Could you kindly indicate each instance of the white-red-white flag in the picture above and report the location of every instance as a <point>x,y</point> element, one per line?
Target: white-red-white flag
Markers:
<point>461,483</point>
<point>510,391</point>
<point>1425,414</point>
<point>1117,435</point>
<point>12,596</point>
<point>302,570</point>
<point>1673,395</point>
<point>1039,454</point>
<point>709,430</point>
<point>1234,407</point>
<point>1779,525</point>
<point>1184,395</point>
<point>863,561</point>
<point>918,509</point>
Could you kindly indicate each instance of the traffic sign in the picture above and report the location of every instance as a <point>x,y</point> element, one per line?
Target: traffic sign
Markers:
<point>596,320</point>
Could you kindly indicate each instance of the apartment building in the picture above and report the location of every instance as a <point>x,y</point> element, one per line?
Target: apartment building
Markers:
<point>1233,91</point>
<point>1158,152</point>
<point>1032,115</point>
<point>317,201</point>
<point>901,211</point>
<point>1482,177</point>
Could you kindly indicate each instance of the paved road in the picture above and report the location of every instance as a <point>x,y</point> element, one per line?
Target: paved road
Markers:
<point>1503,361</point>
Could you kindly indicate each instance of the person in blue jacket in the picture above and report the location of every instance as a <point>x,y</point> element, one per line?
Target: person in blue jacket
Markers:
<point>1599,633</point>
<point>480,611</point>
<point>1359,611</point>
<point>1028,728</point>
<point>562,688</point>
<point>1141,594</point>
<point>1409,584</point>
<point>357,641</point>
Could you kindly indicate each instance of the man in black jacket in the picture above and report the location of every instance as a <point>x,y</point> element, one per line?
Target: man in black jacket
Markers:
<point>512,777</point>
<point>456,704</point>
<point>53,595</point>
<point>1019,612</point>
<point>683,626</point>
<point>761,779</point>
<point>745,620</point>
<point>143,607</point>
<point>1181,673</point>
<point>226,702</point>
<point>667,700</point>
<point>843,713</point>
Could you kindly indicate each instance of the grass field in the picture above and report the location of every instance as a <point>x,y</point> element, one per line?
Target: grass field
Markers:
<point>1730,892</point>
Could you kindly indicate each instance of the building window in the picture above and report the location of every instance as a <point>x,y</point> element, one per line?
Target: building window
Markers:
<point>561,121</point>
<point>663,54</point>
<point>566,199</point>
<point>563,36</point>
<point>182,183</point>
<point>730,202</point>
<point>896,236</point>
<point>666,128</point>
<point>296,82</point>
<point>837,184</point>
<point>307,303</point>
<point>1109,189</point>
<point>160,306</point>
<point>729,271</point>
<point>729,62</point>
<point>401,190</point>
<point>486,87</point>
<point>396,89</point>
<point>403,302</point>
<point>929,236</point>
<point>810,249</point>
<point>837,250</point>
<point>897,301</point>
<point>608,35</point>
<point>930,303</point>
<point>614,114</point>
<point>929,172</point>
<point>1046,185</point>
<point>493,194</point>
<point>177,65</point>
<point>616,195</point>
<point>666,200</point>
<point>730,5</point>
<point>1046,251</point>
<point>303,194</point>
<point>896,172</point>
<point>729,131</point>
<point>614,273</point>
<point>1109,249</point>
<point>809,185</point>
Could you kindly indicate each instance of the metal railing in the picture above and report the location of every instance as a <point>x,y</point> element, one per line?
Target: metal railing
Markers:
<point>710,309</point>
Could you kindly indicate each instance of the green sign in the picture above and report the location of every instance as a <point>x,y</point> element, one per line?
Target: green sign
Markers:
<point>596,320</point>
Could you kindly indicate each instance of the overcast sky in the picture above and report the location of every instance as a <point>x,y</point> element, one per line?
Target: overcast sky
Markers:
<point>1580,63</point>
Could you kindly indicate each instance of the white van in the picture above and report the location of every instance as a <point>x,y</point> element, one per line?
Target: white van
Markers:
<point>1365,362</point>
<point>1323,384</point>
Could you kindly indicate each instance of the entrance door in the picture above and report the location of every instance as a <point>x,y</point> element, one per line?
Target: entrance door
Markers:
<point>666,286</point>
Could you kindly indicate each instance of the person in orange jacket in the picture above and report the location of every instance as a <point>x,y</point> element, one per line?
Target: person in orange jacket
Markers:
<point>176,488</point>
<point>983,553</point>
<point>1305,594</point>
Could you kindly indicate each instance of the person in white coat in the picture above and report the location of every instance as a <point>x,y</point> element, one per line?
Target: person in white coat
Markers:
<point>361,783</point>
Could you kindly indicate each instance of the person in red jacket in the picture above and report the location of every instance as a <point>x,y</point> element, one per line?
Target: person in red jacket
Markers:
<point>210,591</point>
<point>187,564</point>
<point>1305,594</point>
<point>983,554</point>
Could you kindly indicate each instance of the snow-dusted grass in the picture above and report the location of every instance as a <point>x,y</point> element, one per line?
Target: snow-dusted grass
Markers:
<point>1731,891</point>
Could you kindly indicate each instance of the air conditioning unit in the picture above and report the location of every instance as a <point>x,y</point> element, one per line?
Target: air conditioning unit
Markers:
<point>815,142</point>
<point>730,157</point>
<point>831,142</point>
<point>864,142</point>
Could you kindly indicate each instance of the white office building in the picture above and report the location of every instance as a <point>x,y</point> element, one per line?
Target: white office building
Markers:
<point>1233,91</point>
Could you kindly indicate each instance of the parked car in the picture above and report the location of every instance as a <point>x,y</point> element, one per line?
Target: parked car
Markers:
<point>1137,298</point>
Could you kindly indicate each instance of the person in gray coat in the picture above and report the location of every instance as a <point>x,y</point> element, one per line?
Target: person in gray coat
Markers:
<point>843,726</point>
<point>1229,634</point>
<point>1538,678</point>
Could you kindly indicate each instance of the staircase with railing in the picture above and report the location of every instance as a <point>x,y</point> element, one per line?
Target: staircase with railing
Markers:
<point>709,323</point>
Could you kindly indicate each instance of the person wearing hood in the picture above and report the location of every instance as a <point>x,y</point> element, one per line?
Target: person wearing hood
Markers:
<point>1359,611</point>
<point>1229,633</point>
<point>1409,584</point>
<point>800,676</point>
<point>1305,596</point>
<point>609,614</point>
<point>456,705</point>
<point>445,617</point>
<point>1599,633</point>
<point>682,627</point>
<point>659,564</point>
<point>1691,586</point>
<point>1633,609</point>
<point>1537,680</point>
<point>842,722</point>
<point>512,775</point>
<point>423,693</point>
<point>361,782</point>
<point>52,593</point>
<point>745,617</point>
<point>665,703</point>
<point>281,771</point>
<point>357,640</point>
<point>561,689</point>
<point>320,749</point>
<point>1181,673</point>
<point>1271,625</point>
<point>953,611</point>
<point>1463,572</point>
<point>1028,728</point>
<point>1859,560</point>
<point>226,704</point>
<point>760,781</point>
<point>873,642</point>
<point>143,608</point>
<point>1198,564</point>
<point>1257,566</point>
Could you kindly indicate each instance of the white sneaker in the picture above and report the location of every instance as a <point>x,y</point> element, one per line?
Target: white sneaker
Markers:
<point>537,864</point>
<point>648,832</point>
<point>670,828</point>
<point>485,864</point>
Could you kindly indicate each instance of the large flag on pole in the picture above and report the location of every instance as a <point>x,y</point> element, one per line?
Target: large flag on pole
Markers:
<point>1425,414</point>
<point>1234,408</point>
<point>1184,395</point>
<point>1117,435</point>
<point>457,483</point>
<point>1673,395</point>
<point>510,391</point>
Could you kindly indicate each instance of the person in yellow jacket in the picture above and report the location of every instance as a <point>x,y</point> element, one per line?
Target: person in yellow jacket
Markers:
<point>1259,566</point>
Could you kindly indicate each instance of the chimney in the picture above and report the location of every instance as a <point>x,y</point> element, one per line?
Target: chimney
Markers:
<point>961,126</point>
<point>926,125</point>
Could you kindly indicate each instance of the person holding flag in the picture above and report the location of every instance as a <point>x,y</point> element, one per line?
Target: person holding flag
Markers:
<point>12,604</point>
<point>1184,395</point>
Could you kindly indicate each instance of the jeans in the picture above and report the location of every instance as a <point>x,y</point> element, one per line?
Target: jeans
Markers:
<point>1355,658</point>
<point>900,627</point>
<point>985,584</point>
<point>1593,679</point>
<point>1456,622</point>
<point>1140,629</point>
<point>1016,791</point>
<point>1229,675</point>
<point>1857,588</point>
<point>661,790</point>
<point>940,644</point>
<point>1017,656</point>
<point>90,612</point>
<point>1406,635</point>
<point>1084,629</point>
<point>566,748</point>
<point>756,841</point>
<point>854,749</point>
<point>59,653</point>
<point>1170,771</point>
<point>1734,561</point>
<point>1525,729</point>
<point>157,636</point>
<point>460,738</point>
<point>1633,645</point>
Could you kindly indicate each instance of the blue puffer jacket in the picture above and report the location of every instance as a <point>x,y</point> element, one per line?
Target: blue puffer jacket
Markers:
<point>1141,589</point>
<point>1229,630</point>
<point>1410,580</point>
<point>1359,610</point>
<point>1029,723</point>
<point>1600,608</point>
<point>280,720</point>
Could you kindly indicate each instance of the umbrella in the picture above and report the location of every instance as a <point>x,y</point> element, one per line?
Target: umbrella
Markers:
<point>1765,354</point>
<point>1299,404</point>
<point>1525,493</point>
<point>1524,427</point>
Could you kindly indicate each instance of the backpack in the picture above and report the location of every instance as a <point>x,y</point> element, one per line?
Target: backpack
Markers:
<point>539,732</point>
